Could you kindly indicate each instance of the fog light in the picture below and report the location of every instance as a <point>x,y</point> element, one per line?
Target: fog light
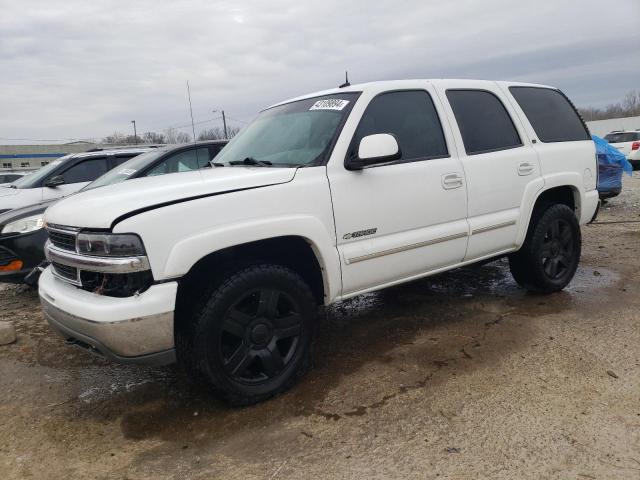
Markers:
<point>12,266</point>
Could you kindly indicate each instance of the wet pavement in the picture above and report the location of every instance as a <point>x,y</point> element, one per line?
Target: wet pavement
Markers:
<point>463,375</point>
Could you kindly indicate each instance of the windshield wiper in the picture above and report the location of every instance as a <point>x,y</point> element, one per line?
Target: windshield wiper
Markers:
<point>252,162</point>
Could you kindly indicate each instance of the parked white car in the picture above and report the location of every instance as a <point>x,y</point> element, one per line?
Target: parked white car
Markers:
<point>62,177</point>
<point>9,176</point>
<point>321,198</point>
<point>628,143</point>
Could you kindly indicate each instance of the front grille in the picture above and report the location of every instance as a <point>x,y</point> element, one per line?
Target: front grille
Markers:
<point>64,271</point>
<point>6,256</point>
<point>65,241</point>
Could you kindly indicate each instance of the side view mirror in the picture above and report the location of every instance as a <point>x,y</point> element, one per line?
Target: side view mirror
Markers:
<point>375,149</point>
<point>54,181</point>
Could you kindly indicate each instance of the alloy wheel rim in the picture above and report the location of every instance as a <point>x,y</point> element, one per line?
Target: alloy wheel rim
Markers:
<point>260,335</point>
<point>557,249</point>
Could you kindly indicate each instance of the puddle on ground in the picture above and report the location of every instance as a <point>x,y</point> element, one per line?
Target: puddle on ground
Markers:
<point>407,335</point>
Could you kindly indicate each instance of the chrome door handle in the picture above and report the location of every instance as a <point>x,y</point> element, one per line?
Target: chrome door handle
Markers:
<point>451,181</point>
<point>526,168</point>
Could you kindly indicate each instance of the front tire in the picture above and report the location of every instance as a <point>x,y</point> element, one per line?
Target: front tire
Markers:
<point>549,257</point>
<point>252,337</point>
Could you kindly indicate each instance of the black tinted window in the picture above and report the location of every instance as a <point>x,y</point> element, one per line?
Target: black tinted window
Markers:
<point>120,159</point>
<point>86,171</point>
<point>622,137</point>
<point>184,161</point>
<point>551,115</point>
<point>484,123</point>
<point>411,117</point>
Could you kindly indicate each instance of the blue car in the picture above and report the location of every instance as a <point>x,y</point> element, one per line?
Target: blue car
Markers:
<point>611,165</point>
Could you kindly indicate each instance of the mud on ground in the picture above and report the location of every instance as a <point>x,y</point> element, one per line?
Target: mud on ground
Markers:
<point>459,376</point>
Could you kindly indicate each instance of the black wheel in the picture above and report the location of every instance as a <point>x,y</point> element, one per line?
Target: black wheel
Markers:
<point>252,337</point>
<point>549,257</point>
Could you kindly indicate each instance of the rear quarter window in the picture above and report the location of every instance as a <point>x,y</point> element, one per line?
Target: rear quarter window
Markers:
<point>551,115</point>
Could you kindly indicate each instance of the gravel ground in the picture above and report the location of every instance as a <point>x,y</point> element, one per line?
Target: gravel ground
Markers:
<point>459,376</point>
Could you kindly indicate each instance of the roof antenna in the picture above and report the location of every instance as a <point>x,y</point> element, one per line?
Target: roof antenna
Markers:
<point>193,125</point>
<point>346,80</point>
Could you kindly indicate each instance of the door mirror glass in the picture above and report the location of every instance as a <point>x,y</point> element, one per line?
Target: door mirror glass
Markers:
<point>55,181</point>
<point>375,149</point>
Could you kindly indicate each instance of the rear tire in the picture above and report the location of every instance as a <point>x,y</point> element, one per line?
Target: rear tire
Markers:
<point>549,257</point>
<point>252,337</point>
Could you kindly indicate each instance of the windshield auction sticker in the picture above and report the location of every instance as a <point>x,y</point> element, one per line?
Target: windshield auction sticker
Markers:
<point>329,104</point>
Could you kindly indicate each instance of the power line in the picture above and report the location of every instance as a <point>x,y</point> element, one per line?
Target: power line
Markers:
<point>96,139</point>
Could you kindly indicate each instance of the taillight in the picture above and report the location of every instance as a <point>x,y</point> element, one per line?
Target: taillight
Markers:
<point>635,145</point>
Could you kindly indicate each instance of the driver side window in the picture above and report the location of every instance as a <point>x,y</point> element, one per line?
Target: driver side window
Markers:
<point>185,161</point>
<point>411,117</point>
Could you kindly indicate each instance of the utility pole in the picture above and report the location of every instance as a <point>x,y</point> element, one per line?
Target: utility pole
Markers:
<point>224,124</point>
<point>135,133</point>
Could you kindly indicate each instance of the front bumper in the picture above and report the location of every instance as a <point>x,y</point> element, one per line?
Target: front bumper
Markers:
<point>136,329</point>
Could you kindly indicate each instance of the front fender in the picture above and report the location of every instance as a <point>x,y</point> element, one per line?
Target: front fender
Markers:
<point>188,251</point>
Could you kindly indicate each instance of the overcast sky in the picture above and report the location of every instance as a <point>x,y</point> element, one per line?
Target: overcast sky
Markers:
<point>81,69</point>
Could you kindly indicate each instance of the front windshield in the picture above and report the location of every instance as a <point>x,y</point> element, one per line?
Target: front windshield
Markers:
<point>35,179</point>
<point>295,134</point>
<point>127,169</point>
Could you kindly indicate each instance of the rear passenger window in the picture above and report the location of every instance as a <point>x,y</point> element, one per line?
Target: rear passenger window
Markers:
<point>409,115</point>
<point>551,115</point>
<point>484,122</point>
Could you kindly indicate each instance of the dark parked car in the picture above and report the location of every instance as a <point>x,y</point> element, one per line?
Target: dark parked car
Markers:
<point>22,236</point>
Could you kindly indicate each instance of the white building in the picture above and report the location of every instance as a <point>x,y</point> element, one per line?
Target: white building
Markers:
<point>602,127</point>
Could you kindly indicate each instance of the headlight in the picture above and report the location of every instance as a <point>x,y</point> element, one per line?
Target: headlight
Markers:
<point>24,225</point>
<point>110,244</point>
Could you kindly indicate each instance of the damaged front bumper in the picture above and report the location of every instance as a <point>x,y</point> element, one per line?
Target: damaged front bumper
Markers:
<point>137,329</point>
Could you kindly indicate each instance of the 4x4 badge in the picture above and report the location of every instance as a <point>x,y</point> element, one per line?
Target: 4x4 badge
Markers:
<point>359,233</point>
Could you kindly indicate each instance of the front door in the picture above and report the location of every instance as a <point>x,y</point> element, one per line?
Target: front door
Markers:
<point>402,219</point>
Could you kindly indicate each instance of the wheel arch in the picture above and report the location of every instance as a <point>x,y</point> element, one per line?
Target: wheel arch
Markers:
<point>556,190</point>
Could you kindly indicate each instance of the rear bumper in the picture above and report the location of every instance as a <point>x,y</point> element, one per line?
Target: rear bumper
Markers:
<point>136,329</point>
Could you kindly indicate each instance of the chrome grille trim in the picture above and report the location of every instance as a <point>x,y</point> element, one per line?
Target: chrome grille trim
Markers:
<point>96,264</point>
<point>66,273</point>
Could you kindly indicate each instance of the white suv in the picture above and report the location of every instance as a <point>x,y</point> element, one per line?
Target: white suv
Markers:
<point>321,198</point>
<point>628,143</point>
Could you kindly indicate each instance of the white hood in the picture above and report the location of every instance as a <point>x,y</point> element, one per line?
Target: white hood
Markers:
<point>98,208</point>
<point>6,191</point>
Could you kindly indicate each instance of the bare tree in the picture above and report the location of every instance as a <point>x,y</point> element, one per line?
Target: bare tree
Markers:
<point>629,107</point>
<point>116,138</point>
<point>153,137</point>
<point>217,133</point>
<point>173,135</point>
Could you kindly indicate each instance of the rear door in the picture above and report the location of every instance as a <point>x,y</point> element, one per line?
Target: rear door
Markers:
<point>561,138</point>
<point>401,219</point>
<point>499,162</point>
